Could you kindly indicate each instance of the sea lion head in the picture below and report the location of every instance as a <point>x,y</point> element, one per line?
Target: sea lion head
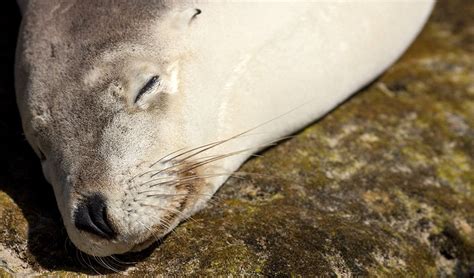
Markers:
<point>101,97</point>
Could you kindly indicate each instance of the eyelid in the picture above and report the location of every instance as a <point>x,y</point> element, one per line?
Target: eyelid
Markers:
<point>154,80</point>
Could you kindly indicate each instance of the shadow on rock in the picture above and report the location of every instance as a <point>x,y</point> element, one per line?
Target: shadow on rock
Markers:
<point>45,246</point>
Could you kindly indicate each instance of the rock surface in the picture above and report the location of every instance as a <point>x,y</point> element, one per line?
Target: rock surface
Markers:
<point>384,185</point>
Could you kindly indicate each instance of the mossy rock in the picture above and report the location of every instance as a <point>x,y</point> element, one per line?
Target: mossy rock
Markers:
<point>382,186</point>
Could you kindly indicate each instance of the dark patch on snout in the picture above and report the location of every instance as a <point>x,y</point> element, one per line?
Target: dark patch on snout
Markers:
<point>91,216</point>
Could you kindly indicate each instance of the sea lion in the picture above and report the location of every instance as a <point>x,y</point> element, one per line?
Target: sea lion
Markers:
<point>140,110</point>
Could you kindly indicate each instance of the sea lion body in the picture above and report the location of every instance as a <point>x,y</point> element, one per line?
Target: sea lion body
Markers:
<point>141,112</point>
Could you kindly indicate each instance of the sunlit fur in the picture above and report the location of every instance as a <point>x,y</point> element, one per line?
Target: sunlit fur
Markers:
<point>233,79</point>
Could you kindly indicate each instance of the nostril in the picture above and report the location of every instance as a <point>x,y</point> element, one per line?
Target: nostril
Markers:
<point>91,216</point>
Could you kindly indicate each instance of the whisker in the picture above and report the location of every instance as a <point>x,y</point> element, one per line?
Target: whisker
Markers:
<point>111,264</point>
<point>97,261</point>
<point>173,210</point>
<point>120,261</point>
<point>79,259</point>
<point>206,146</point>
<point>161,159</point>
<point>143,174</point>
<point>162,170</point>
<point>167,225</point>
<point>155,180</point>
<point>174,195</point>
<point>147,228</point>
<point>163,223</point>
<point>215,144</point>
<point>236,175</point>
<point>210,160</point>
<point>65,244</point>
<point>84,260</point>
<point>210,200</point>
<point>180,162</point>
<point>89,264</point>
<point>194,177</point>
<point>219,157</point>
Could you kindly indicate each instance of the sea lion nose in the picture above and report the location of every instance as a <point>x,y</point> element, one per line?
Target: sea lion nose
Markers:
<point>91,216</point>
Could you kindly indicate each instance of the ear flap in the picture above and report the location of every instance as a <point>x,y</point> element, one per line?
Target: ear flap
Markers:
<point>196,13</point>
<point>185,17</point>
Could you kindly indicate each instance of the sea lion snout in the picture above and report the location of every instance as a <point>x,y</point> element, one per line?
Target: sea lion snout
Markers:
<point>125,211</point>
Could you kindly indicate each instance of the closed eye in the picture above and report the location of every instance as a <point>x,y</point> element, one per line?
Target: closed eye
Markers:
<point>149,86</point>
